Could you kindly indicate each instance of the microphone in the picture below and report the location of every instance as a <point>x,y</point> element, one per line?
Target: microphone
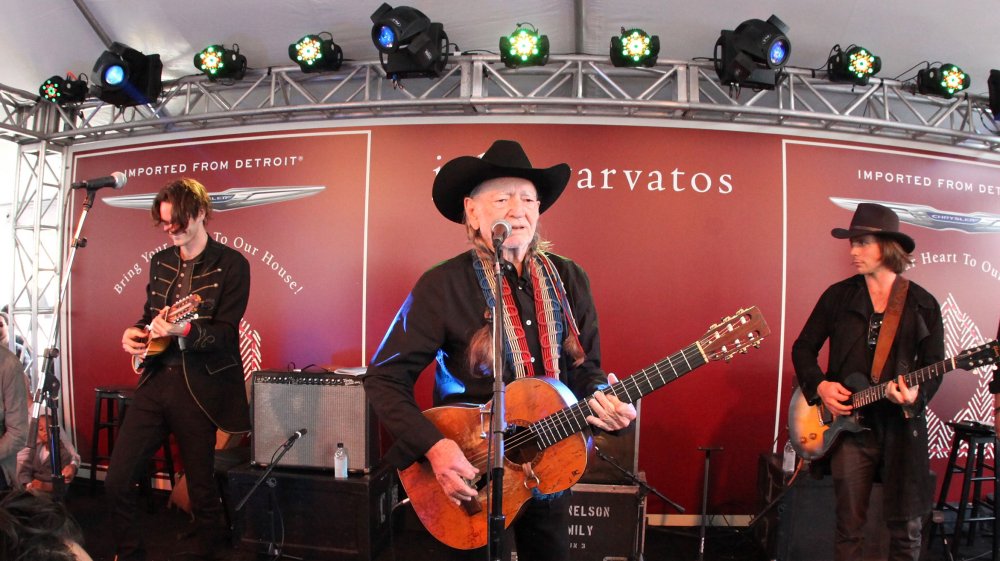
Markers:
<point>116,181</point>
<point>499,230</point>
<point>295,436</point>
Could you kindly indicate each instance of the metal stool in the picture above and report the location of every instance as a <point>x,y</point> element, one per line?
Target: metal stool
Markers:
<point>971,502</point>
<point>110,405</point>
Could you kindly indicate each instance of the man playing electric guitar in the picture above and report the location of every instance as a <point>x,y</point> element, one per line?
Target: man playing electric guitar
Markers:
<point>876,318</point>
<point>551,334</point>
<point>195,385</point>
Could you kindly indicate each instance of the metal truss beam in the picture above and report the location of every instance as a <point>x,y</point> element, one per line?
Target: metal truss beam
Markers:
<point>574,85</point>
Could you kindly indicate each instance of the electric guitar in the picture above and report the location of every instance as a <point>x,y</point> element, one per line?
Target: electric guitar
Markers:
<point>547,438</point>
<point>184,309</point>
<point>812,430</point>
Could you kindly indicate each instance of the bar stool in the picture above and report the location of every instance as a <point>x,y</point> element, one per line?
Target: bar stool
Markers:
<point>971,502</point>
<point>110,405</point>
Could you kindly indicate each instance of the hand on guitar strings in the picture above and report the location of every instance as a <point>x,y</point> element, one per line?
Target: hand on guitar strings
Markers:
<point>834,396</point>
<point>134,340</point>
<point>452,470</point>
<point>898,392</point>
<point>609,412</point>
<point>161,327</point>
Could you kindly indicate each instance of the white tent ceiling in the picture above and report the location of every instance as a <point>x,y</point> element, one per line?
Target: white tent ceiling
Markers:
<point>41,38</point>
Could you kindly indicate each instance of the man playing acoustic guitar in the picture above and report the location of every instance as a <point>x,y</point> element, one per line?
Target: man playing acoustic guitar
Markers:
<point>874,318</point>
<point>552,335</point>
<point>196,384</point>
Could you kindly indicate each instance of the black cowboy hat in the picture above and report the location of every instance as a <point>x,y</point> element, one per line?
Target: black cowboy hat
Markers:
<point>505,158</point>
<point>871,218</point>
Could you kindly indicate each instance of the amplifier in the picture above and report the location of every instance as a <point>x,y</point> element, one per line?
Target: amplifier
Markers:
<point>331,406</point>
<point>606,522</point>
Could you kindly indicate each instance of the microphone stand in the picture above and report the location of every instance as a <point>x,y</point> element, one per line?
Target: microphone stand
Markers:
<point>45,397</point>
<point>273,548</point>
<point>644,488</point>
<point>498,422</point>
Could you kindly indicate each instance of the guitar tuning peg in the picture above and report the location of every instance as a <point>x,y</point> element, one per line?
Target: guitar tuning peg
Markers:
<point>744,350</point>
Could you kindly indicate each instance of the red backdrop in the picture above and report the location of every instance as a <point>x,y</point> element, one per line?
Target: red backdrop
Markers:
<point>677,228</point>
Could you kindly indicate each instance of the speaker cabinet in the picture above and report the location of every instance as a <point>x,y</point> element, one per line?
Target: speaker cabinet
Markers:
<point>331,406</point>
<point>606,522</point>
<point>316,516</point>
<point>800,525</point>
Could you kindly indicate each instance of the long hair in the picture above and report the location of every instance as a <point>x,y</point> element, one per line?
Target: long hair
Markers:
<point>187,197</point>
<point>894,257</point>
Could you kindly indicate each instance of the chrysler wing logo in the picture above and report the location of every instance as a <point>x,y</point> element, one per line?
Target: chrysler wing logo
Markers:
<point>230,199</point>
<point>930,217</point>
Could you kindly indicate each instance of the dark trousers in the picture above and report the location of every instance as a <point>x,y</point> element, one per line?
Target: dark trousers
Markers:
<point>163,405</point>
<point>855,463</point>
<point>540,532</point>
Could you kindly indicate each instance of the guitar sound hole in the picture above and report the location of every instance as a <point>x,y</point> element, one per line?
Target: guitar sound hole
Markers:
<point>520,445</point>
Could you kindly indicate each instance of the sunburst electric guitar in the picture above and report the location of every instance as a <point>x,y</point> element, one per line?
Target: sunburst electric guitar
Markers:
<point>185,309</point>
<point>813,430</point>
<point>547,438</point>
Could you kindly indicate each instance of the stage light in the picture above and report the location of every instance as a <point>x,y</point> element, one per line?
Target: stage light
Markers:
<point>63,91</point>
<point>994,85</point>
<point>409,44</point>
<point>634,47</point>
<point>943,81</point>
<point>216,61</point>
<point>524,47</point>
<point>314,53</point>
<point>753,54</point>
<point>856,65</point>
<point>127,77</point>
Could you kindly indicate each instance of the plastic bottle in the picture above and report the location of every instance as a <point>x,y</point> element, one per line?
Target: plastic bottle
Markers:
<point>788,458</point>
<point>340,461</point>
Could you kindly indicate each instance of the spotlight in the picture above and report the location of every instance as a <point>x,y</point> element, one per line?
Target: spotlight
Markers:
<point>856,65</point>
<point>524,47</point>
<point>127,77</point>
<point>409,44</point>
<point>634,47</point>
<point>314,53</point>
<point>63,91</point>
<point>994,86</point>
<point>943,81</point>
<point>753,54</point>
<point>216,61</point>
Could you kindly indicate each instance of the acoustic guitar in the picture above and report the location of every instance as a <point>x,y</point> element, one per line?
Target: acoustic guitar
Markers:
<point>184,309</point>
<point>547,439</point>
<point>812,430</point>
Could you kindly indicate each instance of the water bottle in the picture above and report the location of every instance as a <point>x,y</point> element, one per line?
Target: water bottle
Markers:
<point>788,458</point>
<point>340,461</point>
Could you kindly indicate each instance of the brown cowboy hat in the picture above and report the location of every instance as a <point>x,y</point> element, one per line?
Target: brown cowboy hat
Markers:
<point>505,158</point>
<point>871,218</point>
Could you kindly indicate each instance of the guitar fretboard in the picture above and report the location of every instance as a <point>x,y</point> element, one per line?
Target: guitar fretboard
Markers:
<point>573,419</point>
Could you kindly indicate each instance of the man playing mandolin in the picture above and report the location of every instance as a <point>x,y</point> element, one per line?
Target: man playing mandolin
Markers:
<point>551,333</point>
<point>195,385</point>
<point>874,319</point>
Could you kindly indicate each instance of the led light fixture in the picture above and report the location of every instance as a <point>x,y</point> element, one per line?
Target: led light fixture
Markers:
<point>753,54</point>
<point>524,47</point>
<point>315,53</point>
<point>634,47</point>
<point>409,44</point>
<point>856,65</point>
<point>218,62</point>
<point>125,77</point>
<point>944,81</point>
<point>63,91</point>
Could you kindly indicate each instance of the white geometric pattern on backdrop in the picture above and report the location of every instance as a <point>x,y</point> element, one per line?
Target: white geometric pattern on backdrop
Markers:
<point>961,333</point>
<point>249,348</point>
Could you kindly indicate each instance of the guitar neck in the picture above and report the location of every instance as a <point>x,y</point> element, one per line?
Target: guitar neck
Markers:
<point>870,395</point>
<point>573,419</point>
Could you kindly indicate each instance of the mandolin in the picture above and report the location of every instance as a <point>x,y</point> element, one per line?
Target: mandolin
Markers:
<point>185,309</point>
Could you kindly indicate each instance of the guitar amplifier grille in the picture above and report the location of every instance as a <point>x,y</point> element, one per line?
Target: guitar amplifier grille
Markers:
<point>331,406</point>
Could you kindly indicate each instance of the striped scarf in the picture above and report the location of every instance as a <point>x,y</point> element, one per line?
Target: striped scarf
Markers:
<point>552,312</point>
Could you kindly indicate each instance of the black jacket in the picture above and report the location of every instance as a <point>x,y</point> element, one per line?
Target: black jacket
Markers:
<point>213,367</point>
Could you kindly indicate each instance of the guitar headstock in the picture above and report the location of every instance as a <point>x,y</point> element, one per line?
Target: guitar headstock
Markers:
<point>977,357</point>
<point>184,309</point>
<point>735,334</point>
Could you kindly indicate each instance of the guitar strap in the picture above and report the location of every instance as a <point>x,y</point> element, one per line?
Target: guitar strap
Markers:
<point>890,323</point>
